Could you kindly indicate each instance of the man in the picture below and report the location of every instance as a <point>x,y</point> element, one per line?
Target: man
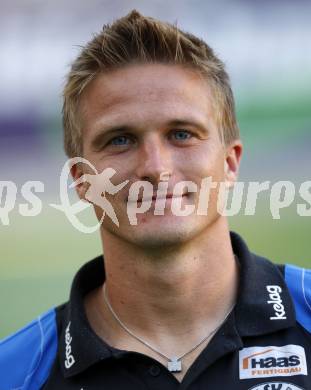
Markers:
<point>177,300</point>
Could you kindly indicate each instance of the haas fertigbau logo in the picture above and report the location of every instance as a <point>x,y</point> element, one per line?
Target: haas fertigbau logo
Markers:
<point>271,361</point>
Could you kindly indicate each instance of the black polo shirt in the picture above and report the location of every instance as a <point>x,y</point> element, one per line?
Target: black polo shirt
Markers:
<point>250,350</point>
<point>265,343</point>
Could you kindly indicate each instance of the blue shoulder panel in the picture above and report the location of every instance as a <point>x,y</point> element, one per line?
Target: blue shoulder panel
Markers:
<point>298,281</point>
<point>27,356</point>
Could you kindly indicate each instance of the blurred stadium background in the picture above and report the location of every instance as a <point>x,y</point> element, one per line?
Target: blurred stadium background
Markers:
<point>266,47</point>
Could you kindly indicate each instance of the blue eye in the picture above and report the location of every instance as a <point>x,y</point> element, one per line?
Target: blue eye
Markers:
<point>120,140</point>
<point>181,135</point>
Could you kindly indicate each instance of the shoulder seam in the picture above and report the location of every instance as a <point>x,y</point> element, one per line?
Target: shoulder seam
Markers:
<point>40,358</point>
<point>303,288</point>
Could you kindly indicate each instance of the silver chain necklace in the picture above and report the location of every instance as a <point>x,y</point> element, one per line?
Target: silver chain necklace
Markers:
<point>174,363</point>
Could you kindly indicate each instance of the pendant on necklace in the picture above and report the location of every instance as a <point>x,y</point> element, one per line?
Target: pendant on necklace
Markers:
<point>174,365</point>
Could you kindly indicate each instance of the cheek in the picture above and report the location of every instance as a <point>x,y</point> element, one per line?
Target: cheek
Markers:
<point>121,168</point>
<point>197,166</point>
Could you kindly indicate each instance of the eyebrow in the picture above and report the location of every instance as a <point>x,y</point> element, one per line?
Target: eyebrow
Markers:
<point>115,130</point>
<point>187,122</point>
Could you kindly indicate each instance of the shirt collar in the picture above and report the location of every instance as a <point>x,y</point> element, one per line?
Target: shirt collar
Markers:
<point>80,347</point>
<point>264,304</point>
<point>255,311</point>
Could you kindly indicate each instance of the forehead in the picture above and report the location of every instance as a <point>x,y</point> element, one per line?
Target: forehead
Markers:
<point>146,92</point>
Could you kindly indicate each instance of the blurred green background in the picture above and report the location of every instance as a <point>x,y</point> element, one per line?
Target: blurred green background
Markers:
<point>262,44</point>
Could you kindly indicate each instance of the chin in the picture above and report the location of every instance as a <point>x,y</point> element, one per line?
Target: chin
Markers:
<point>164,238</point>
<point>160,233</point>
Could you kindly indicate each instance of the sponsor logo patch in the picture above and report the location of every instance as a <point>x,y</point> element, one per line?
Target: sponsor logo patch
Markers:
<point>70,361</point>
<point>263,362</point>
<point>276,302</point>
<point>276,386</point>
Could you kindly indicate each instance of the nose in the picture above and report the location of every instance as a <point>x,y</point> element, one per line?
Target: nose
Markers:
<point>154,161</point>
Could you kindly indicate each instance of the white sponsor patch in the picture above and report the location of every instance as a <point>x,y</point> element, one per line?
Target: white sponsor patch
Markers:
<point>264,362</point>
<point>276,386</point>
<point>276,302</point>
<point>70,360</point>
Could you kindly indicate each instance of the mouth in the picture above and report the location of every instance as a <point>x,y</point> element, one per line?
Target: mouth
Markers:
<point>155,197</point>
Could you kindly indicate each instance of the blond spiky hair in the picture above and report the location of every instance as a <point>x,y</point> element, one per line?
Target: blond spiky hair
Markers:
<point>139,39</point>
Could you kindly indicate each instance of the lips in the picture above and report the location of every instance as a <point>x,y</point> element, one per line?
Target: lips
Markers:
<point>154,197</point>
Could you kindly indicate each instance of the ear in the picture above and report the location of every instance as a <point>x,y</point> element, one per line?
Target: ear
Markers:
<point>232,162</point>
<point>81,186</point>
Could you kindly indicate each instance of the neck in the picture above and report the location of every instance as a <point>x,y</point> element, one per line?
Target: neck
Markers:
<point>172,291</point>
